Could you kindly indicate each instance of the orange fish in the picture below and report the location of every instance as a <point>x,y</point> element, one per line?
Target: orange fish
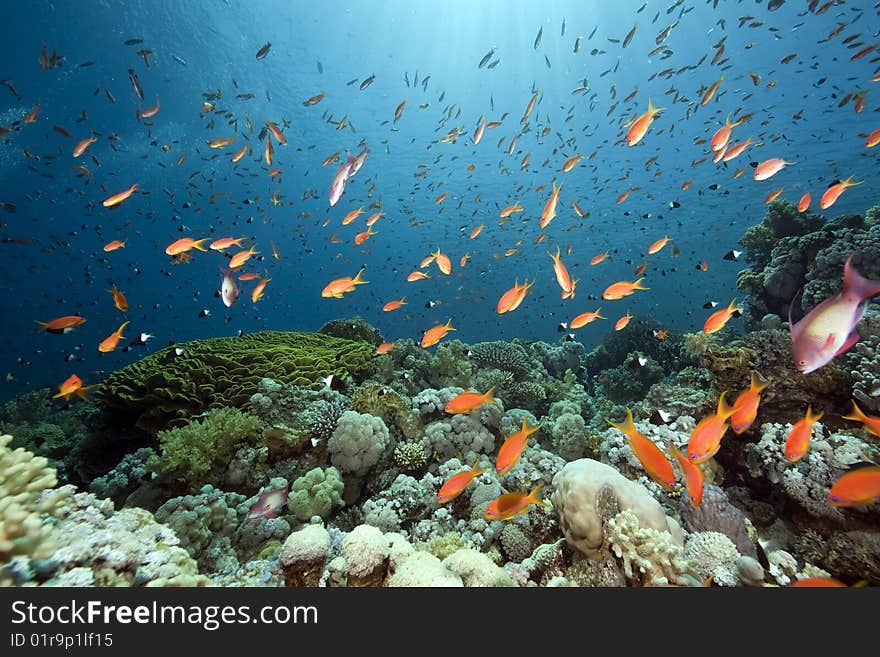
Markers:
<point>510,209</point>
<point>746,405</point>
<point>562,276</point>
<point>257,292</point>
<point>706,437</point>
<point>804,203</point>
<point>651,457</point>
<point>240,154</point>
<point>443,262</point>
<point>856,488</point>
<point>337,287</point>
<point>363,236</point>
<point>241,257</point>
<point>111,341</point>
<point>686,184</point>
<point>373,218</point>
<point>578,209</point>
<point>149,112</point>
<point>185,244</point>
<point>585,318</point>
<point>456,484</point>
<point>622,289</point>
<point>722,135</point>
<point>114,245</point>
<point>119,299</point>
<point>441,198</point>
<point>772,196</point>
<point>436,333</point>
<point>873,139</point>
<point>351,216</point>
<point>870,422</point>
<point>693,476</point>
<point>510,505</point>
<point>513,447</point>
<point>116,199</point>
<point>769,168</point>
<point>221,143</point>
<point>719,318</point>
<point>623,197</point>
<point>596,259</point>
<point>512,299</point>
<point>640,126</point>
<point>225,243</point>
<point>833,193</point>
<point>661,334</point>
<point>62,324</point>
<point>384,348</point>
<point>394,305</point>
<point>640,269</point>
<point>464,259</point>
<point>656,246</point>
<point>248,276</point>
<point>469,401</point>
<point>736,150</point>
<point>398,112</point>
<point>417,276</point>
<point>710,92</point>
<point>81,147</point>
<point>621,323</point>
<point>818,582</point>
<point>476,231</point>
<point>571,163</point>
<point>798,441</point>
<point>549,211</point>
<point>276,132</point>
<point>72,386</point>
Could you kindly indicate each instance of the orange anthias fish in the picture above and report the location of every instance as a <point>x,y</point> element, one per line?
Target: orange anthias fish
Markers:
<point>81,147</point>
<point>549,211</point>
<point>469,401</point>
<point>241,257</point>
<point>456,484</point>
<point>870,422</point>
<point>706,437</point>
<point>571,163</point>
<point>511,299</point>
<point>443,262</point>
<point>257,292</point>
<point>640,126</point>
<point>856,488</point>
<point>622,289</point>
<point>72,386</point>
<point>710,92</point>
<point>114,245</point>
<point>651,457</point>
<point>476,231</point>
<point>240,154</point>
<point>562,275</point>
<point>119,299</point>
<point>149,112</point>
<point>804,203</point>
<point>621,323</point>
<point>394,305</point>
<point>722,135</point>
<point>585,318</point>
<point>798,441</point>
<point>596,259</point>
<point>659,244</point>
<point>745,408</point>
<point>351,216</point>
<point>62,324</point>
<point>337,287</point>
<point>772,196</point>
<point>116,199</point>
<point>225,243</point>
<point>736,150</point>
<point>436,333</point>
<point>769,168</point>
<point>873,139</point>
<point>363,236</point>
<point>417,276</point>
<point>111,341</point>
<point>719,318</point>
<point>384,348</point>
<point>185,244</point>
<point>693,476</point>
<point>818,582</point>
<point>513,447</point>
<point>511,505</point>
<point>833,193</point>
<point>221,143</point>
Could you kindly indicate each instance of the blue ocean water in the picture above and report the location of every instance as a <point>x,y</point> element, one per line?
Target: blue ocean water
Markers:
<point>52,260</point>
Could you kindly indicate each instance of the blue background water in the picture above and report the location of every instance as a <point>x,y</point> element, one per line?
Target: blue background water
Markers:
<point>64,271</point>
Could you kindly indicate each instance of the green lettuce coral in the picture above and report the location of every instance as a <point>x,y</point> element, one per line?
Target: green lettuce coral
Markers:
<point>176,383</point>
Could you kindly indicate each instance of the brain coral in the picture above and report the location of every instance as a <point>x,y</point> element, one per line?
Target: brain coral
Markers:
<point>180,381</point>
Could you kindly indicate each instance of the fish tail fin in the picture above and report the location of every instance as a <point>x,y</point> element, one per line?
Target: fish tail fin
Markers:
<point>638,285</point>
<point>813,417</point>
<point>857,414</point>
<point>488,398</point>
<point>849,183</point>
<point>66,395</point>
<point>758,382</point>
<point>122,327</point>
<point>628,427</point>
<point>81,392</point>
<point>42,324</point>
<point>198,244</point>
<point>599,314</point>
<point>535,496</point>
<point>449,325</point>
<point>725,410</point>
<point>855,283</point>
<point>357,280</point>
<point>732,307</point>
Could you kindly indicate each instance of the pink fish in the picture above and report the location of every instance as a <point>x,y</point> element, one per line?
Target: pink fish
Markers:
<point>337,187</point>
<point>228,288</point>
<point>829,329</point>
<point>269,503</point>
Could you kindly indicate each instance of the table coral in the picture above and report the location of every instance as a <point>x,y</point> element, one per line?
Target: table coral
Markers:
<point>184,380</point>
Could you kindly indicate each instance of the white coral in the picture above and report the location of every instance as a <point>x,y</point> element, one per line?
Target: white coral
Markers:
<point>357,442</point>
<point>713,553</point>
<point>461,435</point>
<point>656,556</point>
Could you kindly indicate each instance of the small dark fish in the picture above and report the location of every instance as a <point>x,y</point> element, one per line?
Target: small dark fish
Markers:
<point>674,204</point>
<point>368,81</point>
<point>109,96</point>
<point>135,83</point>
<point>732,255</point>
<point>629,36</point>
<point>88,63</point>
<point>592,33</point>
<point>320,67</point>
<point>10,207</point>
<point>405,77</point>
<point>577,44</point>
<point>494,64</point>
<point>351,82</point>
<point>244,96</point>
<point>710,304</point>
<point>547,60</point>
<point>262,52</point>
<point>486,58</point>
<point>132,42</point>
<point>562,33</point>
<point>773,5</point>
<point>538,38</point>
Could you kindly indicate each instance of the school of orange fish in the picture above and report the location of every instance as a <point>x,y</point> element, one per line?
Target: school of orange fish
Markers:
<point>812,347</point>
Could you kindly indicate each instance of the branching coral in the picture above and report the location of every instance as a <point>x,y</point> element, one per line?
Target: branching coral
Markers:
<point>649,557</point>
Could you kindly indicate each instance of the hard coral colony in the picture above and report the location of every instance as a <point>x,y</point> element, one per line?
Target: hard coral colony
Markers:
<point>443,428</point>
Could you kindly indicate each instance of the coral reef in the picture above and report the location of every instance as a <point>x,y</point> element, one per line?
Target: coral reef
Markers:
<point>357,443</point>
<point>176,383</point>
<point>316,493</point>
